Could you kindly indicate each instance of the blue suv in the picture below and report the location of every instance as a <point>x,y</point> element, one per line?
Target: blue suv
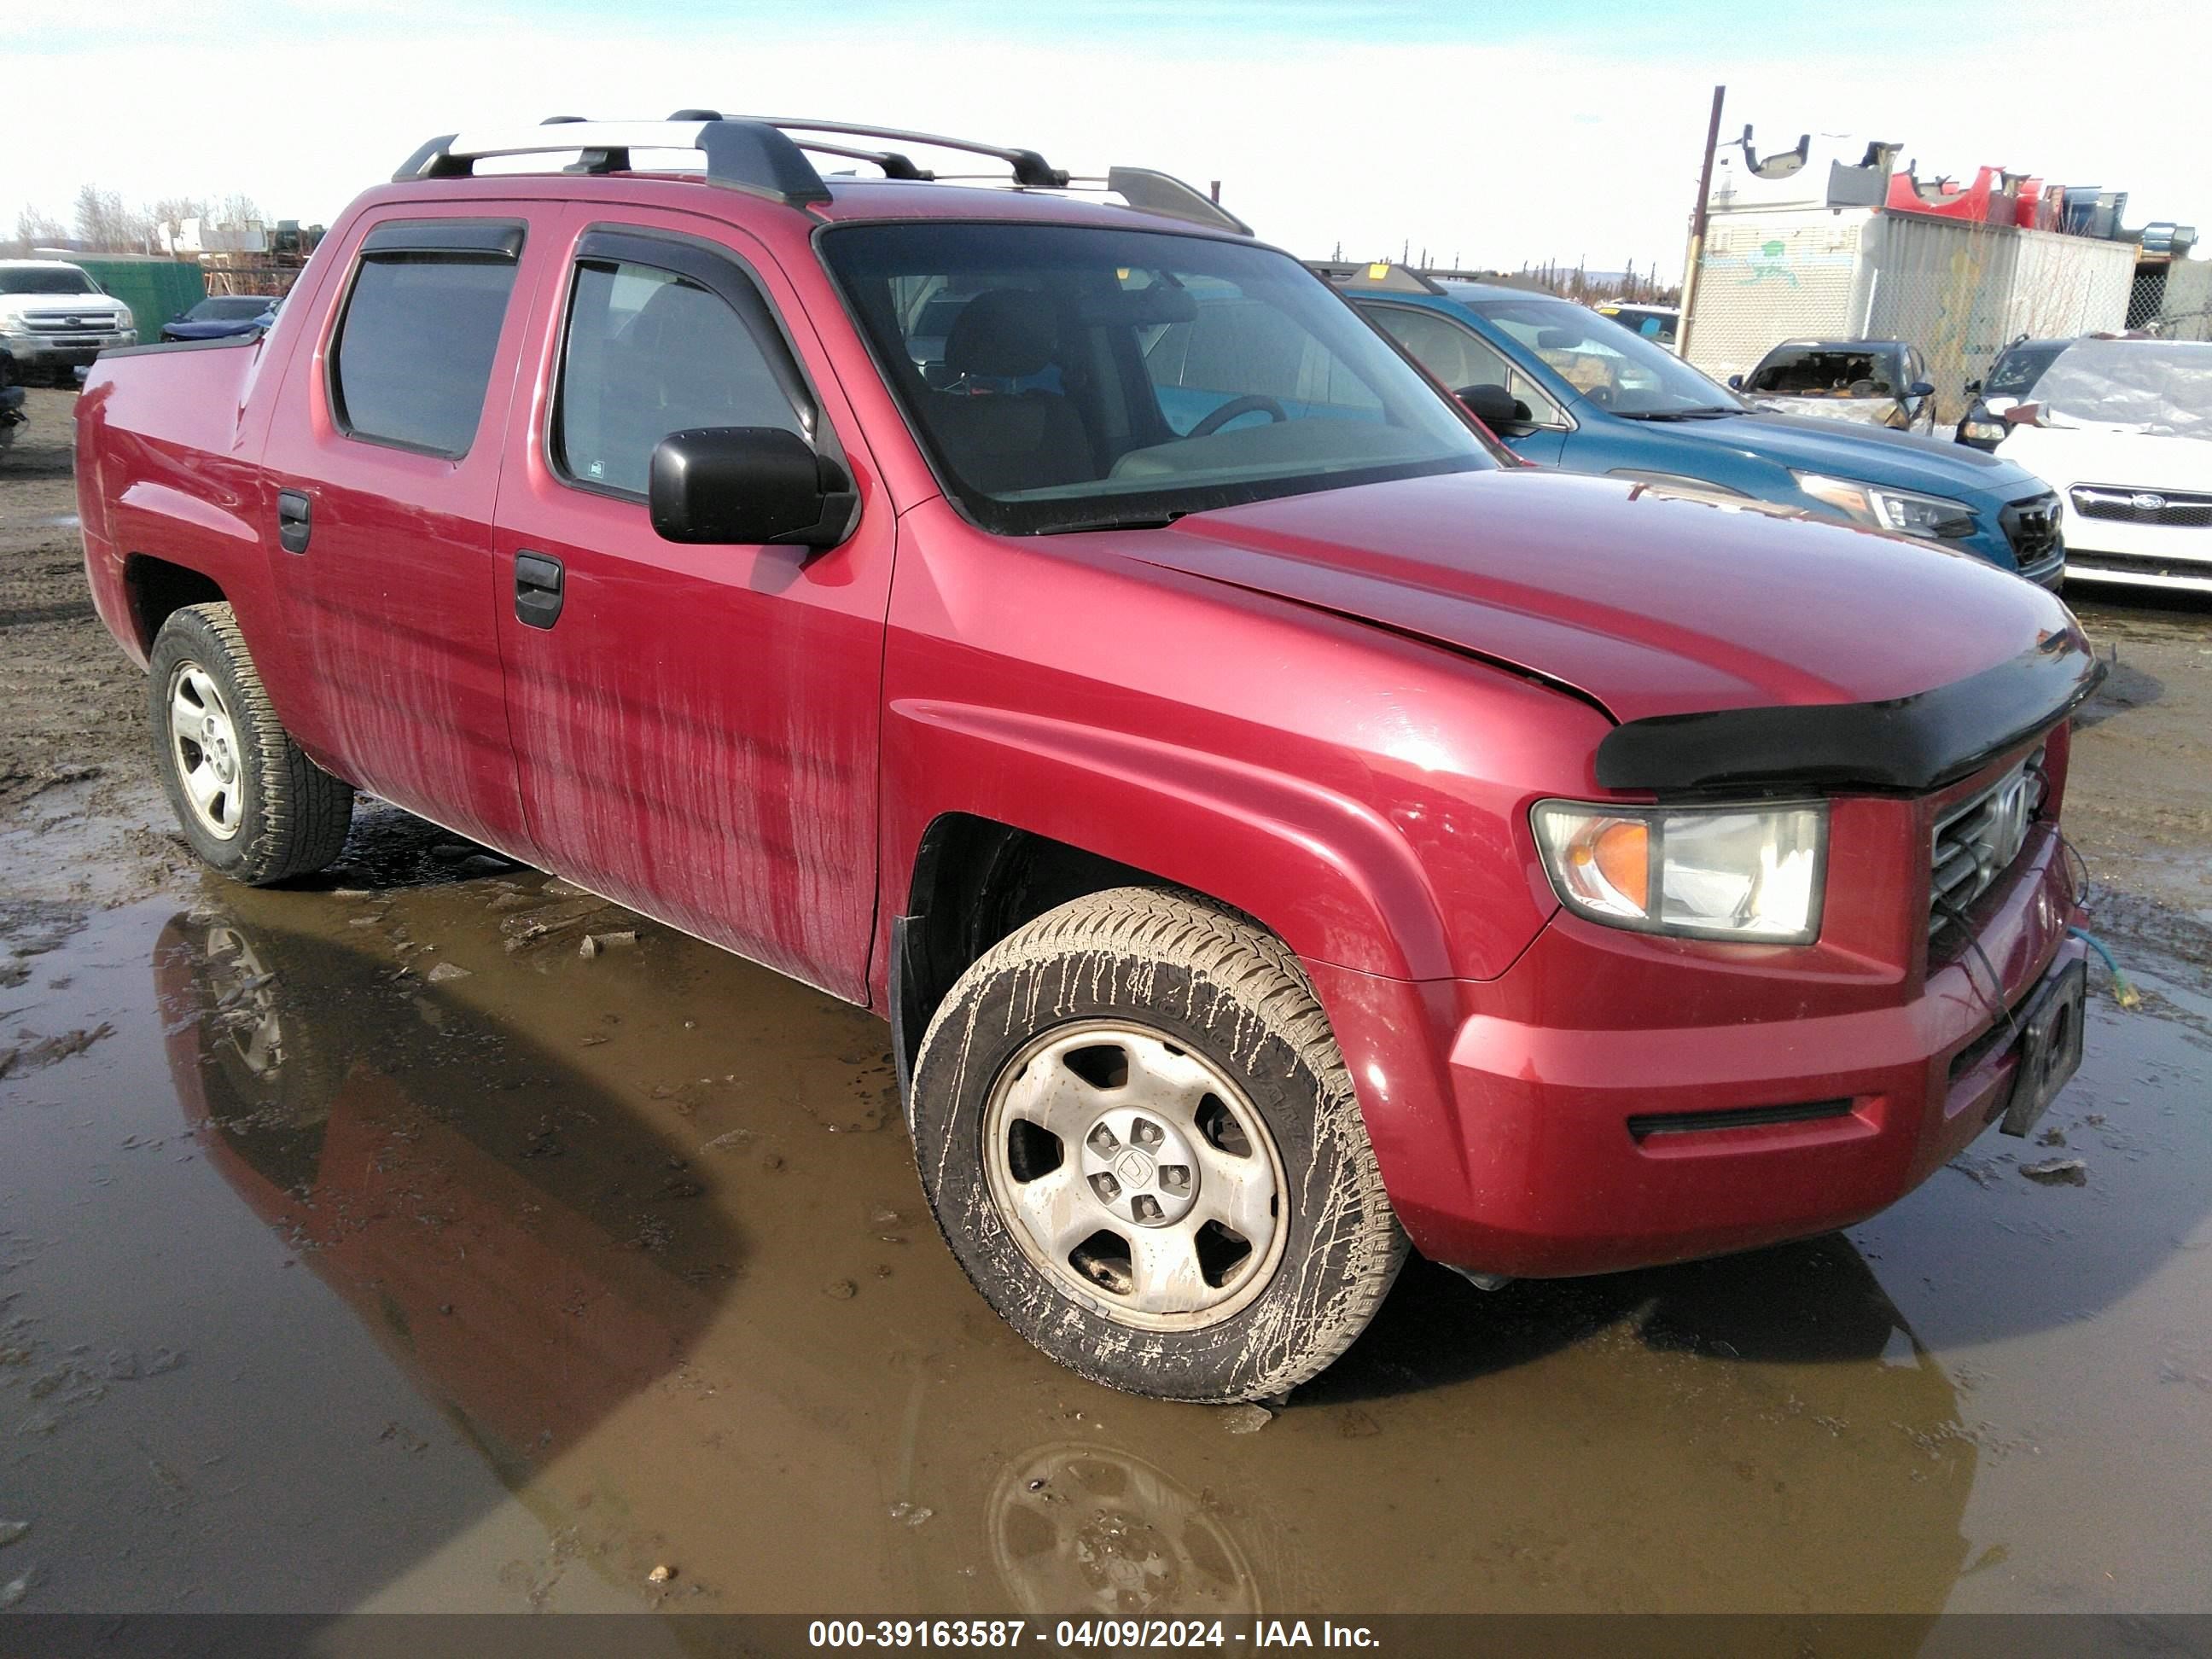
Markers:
<point>1566,387</point>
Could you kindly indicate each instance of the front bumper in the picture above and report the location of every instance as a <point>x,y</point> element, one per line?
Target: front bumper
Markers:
<point>44,352</point>
<point>1807,1089</point>
<point>2173,556</point>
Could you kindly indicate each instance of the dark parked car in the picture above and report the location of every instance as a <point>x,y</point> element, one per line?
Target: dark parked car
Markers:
<point>1880,382</point>
<point>11,400</point>
<point>220,316</point>
<point>2010,378</point>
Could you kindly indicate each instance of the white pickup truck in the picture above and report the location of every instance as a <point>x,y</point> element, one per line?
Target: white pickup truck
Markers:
<point>54,320</point>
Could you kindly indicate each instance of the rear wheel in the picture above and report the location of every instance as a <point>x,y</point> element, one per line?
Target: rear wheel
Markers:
<point>250,803</point>
<point>1138,1138</point>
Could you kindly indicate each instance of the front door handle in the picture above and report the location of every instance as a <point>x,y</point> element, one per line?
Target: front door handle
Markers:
<point>536,590</point>
<point>292,527</point>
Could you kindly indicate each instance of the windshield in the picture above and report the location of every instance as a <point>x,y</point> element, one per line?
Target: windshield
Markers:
<point>2015,373</point>
<point>1814,371</point>
<point>2162,387</point>
<point>1066,378</point>
<point>45,279</point>
<point>229,308</point>
<point>1613,366</point>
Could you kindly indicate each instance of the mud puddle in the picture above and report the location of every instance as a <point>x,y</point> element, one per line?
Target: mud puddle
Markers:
<point>379,1248</point>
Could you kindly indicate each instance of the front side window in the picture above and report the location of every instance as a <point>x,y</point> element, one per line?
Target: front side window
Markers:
<point>1614,368</point>
<point>414,348</point>
<point>1063,377</point>
<point>1459,358</point>
<point>650,352</point>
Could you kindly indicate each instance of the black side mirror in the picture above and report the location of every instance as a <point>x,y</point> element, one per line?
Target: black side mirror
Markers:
<point>1920,389</point>
<point>747,485</point>
<point>1735,383</point>
<point>1972,389</point>
<point>1493,406</point>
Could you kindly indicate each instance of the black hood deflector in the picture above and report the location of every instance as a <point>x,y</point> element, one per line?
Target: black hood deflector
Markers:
<point>1907,745</point>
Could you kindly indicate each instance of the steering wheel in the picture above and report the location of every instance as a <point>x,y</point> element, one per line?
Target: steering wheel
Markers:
<point>1257,403</point>
<point>1601,394</point>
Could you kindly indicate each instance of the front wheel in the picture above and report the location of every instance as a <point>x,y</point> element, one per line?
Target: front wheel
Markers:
<point>1138,1136</point>
<point>250,803</point>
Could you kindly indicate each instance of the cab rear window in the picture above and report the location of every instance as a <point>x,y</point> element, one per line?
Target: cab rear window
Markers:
<point>415,347</point>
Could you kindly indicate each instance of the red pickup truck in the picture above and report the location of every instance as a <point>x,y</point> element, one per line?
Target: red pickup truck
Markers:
<point>1280,830</point>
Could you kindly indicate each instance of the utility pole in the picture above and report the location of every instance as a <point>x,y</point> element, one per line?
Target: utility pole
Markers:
<point>1697,221</point>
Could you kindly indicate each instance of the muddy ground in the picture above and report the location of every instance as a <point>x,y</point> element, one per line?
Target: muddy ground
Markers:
<point>366,1245</point>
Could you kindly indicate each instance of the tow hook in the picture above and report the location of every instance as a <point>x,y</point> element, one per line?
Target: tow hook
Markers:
<point>1483,1281</point>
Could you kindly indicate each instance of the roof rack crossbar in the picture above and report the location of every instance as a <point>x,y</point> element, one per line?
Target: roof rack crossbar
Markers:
<point>745,155</point>
<point>1030,169</point>
<point>895,165</point>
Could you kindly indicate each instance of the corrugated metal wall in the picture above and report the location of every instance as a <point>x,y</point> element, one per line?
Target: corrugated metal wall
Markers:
<point>1769,278</point>
<point>2185,312</point>
<point>1959,292</point>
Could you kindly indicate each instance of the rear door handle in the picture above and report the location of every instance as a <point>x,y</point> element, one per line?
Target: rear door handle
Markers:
<point>536,590</point>
<point>293,514</point>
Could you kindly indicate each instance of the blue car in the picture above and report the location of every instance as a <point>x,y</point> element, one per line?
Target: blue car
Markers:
<point>221,316</point>
<point>1567,388</point>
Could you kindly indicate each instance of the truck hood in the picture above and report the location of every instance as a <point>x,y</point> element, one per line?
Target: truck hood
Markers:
<point>1872,454</point>
<point>1645,601</point>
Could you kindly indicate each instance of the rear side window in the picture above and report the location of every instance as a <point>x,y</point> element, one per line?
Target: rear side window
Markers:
<point>416,346</point>
<point>650,352</point>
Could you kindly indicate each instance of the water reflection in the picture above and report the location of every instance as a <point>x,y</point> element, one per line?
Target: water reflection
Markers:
<point>523,1242</point>
<point>765,1369</point>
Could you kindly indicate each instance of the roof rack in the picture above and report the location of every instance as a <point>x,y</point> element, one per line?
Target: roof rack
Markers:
<point>761,153</point>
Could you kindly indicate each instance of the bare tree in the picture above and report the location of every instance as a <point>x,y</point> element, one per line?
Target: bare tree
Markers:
<point>34,228</point>
<point>237,211</point>
<point>107,224</point>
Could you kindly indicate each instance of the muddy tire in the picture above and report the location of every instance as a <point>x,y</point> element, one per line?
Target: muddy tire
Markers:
<point>250,803</point>
<point>1138,1136</point>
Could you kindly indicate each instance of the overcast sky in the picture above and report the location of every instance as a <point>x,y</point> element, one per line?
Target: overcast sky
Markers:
<point>1496,133</point>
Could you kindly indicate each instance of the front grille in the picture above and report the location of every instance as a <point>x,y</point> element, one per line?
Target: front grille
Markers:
<point>1979,839</point>
<point>2182,509</point>
<point>2032,526</point>
<point>92,324</point>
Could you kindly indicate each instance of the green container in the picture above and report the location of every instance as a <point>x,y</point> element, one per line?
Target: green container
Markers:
<point>154,290</point>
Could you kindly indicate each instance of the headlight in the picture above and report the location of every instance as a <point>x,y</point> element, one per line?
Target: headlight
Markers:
<point>1753,873</point>
<point>1884,508</point>
<point>1985,432</point>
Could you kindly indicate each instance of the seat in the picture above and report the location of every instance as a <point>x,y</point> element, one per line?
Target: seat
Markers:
<point>1001,440</point>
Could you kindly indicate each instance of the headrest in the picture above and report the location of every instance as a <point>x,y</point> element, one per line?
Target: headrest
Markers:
<point>1003,333</point>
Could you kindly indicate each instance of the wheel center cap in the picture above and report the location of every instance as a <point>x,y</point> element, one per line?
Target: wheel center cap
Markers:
<point>1138,1164</point>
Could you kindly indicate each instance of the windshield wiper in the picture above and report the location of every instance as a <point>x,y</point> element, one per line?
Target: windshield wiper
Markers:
<point>1133,521</point>
<point>1701,412</point>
